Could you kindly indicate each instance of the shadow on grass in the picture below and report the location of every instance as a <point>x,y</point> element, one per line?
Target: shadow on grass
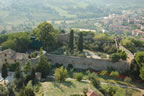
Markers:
<point>68,84</point>
<point>65,83</point>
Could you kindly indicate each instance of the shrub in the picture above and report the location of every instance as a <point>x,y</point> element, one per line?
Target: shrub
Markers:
<point>114,74</point>
<point>85,90</point>
<point>110,69</point>
<point>91,75</point>
<point>43,66</point>
<point>78,76</point>
<point>12,67</point>
<point>123,55</point>
<point>128,80</point>
<point>103,73</point>
<point>61,74</point>
<point>3,91</point>
<point>95,82</point>
<point>70,66</point>
<point>57,65</point>
<point>28,90</point>
<point>33,55</point>
<point>115,57</point>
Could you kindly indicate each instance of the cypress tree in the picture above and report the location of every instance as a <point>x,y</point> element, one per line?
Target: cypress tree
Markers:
<point>71,40</point>
<point>4,71</point>
<point>80,42</point>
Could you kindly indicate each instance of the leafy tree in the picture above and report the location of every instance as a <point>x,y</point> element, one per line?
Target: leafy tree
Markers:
<point>10,90</point>
<point>33,55</point>
<point>43,66</point>
<point>27,67</point>
<point>115,57</point>
<point>17,41</point>
<point>4,71</point>
<point>17,74</point>
<point>12,67</point>
<point>104,38</point>
<point>114,74</point>
<point>80,42</point>
<point>27,91</point>
<point>3,38</point>
<point>128,79</point>
<point>3,91</point>
<point>19,82</point>
<point>71,40</point>
<point>123,55</point>
<point>140,59</point>
<point>104,73</point>
<point>142,73</point>
<point>9,44</point>
<point>129,45</point>
<point>95,82</point>
<point>91,75</point>
<point>46,34</point>
<point>78,76</point>
<point>22,43</point>
<point>61,74</point>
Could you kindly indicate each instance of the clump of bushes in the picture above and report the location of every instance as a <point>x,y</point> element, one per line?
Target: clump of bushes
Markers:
<point>70,66</point>
<point>28,90</point>
<point>128,80</point>
<point>3,91</point>
<point>110,69</point>
<point>91,75</point>
<point>103,73</point>
<point>85,90</point>
<point>33,55</point>
<point>114,74</point>
<point>123,55</point>
<point>61,74</point>
<point>115,57</point>
<point>78,76</point>
<point>12,67</point>
<point>95,82</point>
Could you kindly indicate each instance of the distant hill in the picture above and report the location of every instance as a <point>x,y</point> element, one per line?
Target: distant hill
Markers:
<point>18,11</point>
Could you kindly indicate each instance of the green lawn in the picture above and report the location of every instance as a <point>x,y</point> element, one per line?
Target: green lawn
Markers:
<point>67,88</point>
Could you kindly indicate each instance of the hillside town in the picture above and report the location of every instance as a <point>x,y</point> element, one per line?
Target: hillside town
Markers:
<point>126,23</point>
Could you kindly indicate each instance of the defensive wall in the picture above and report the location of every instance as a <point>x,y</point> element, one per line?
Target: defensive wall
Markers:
<point>87,63</point>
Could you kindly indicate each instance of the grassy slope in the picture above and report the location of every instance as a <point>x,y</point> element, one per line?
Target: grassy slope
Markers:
<point>65,89</point>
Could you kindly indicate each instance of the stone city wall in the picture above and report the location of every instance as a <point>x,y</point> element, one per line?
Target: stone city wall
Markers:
<point>87,63</point>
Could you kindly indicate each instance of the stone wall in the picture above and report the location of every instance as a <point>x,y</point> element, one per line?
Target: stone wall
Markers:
<point>87,63</point>
<point>130,56</point>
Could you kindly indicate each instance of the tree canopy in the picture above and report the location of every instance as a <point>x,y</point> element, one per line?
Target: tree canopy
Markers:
<point>16,41</point>
<point>46,34</point>
<point>140,59</point>
<point>43,66</point>
<point>4,71</point>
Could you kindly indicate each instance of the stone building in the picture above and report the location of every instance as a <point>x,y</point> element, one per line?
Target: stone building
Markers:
<point>10,56</point>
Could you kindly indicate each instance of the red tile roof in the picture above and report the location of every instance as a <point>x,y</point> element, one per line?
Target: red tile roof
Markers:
<point>92,93</point>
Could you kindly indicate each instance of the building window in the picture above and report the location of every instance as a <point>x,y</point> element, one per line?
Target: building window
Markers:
<point>5,55</point>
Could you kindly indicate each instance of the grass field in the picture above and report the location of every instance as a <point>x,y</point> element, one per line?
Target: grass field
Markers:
<point>70,87</point>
